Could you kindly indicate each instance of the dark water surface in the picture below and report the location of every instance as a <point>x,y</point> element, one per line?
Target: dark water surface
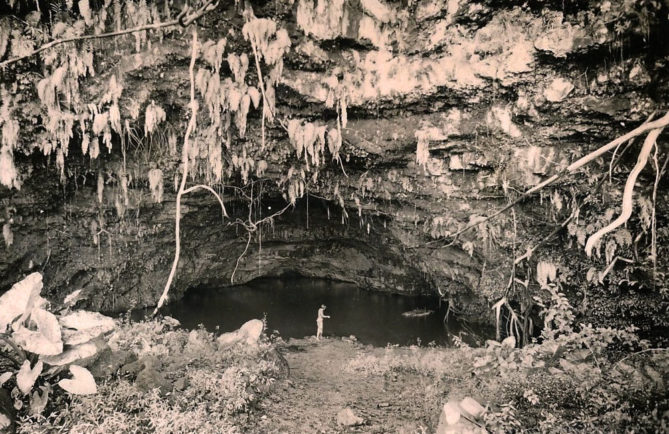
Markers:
<point>291,305</point>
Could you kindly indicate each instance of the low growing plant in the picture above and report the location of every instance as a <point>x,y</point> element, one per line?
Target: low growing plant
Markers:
<point>37,346</point>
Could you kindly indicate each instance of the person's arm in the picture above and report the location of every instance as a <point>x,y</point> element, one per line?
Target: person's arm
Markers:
<point>326,316</point>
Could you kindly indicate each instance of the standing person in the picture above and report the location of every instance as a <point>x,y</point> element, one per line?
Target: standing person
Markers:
<point>319,321</point>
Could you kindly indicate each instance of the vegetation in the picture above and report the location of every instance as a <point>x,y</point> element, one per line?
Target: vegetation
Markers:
<point>34,338</point>
<point>67,97</point>
<point>575,378</point>
<point>180,382</point>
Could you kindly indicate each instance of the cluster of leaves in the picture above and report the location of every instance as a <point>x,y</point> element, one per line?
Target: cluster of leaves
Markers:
<point>218,385</point>
<point>39,345</point>
<point>574,367</point>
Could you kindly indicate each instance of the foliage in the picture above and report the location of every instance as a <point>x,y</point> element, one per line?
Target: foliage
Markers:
<point>578,377</point>
<point>34,339</point>
<point>219,385</point>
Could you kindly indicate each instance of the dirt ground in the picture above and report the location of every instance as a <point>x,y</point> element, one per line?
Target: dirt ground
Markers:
<point>320,386</point>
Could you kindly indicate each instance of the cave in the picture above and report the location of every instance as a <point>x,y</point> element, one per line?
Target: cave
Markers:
<point>499,165</point>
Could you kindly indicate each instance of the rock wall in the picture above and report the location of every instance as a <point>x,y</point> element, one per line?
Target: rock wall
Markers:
<point>452,108</point>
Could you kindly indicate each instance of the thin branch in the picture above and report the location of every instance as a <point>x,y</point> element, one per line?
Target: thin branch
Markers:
<point>184,160</point>
<point>647,350</point>
<point>627,203</point>
<point>248,242</point>
<point>608,269</point>
<point>206,187</point>
<point>653,243</point>
<point>657,124</point>
<point>528,254</point>
<point>181,20</point>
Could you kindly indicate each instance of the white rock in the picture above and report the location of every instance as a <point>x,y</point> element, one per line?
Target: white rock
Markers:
<point>346,417</point>
<point>471,407</point>
<point>251,331</point>
<point>451,412</point>
<point>558,90</point>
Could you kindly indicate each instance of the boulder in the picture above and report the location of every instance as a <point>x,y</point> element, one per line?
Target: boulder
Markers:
<point>249,332</point>
<point>346,417</point>
<point>109,362</point>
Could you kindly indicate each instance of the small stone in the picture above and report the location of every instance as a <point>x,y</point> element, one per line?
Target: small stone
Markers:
<point>181,384</point>
<point>346,417</point>
<point>132,369</point>
<point>558,90</point>
<point>472,407</point>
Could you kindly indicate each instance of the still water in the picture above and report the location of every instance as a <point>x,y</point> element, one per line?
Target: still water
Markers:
<point>290,305</point>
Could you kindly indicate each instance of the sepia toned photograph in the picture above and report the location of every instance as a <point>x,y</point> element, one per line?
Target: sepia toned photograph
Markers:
<point>334,216</point>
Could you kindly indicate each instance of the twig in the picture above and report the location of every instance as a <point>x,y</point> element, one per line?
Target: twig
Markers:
<point>206,187</point>
<point>248,242</point>
<point>627,203</point>
<point>608,269</point>
<point>182,19</point>
<point>647,350</point>
<point>184,160</point>
<point>528,254</point>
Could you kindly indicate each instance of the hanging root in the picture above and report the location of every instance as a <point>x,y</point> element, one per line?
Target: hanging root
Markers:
<point>182,186</point>
<point>628,203</point>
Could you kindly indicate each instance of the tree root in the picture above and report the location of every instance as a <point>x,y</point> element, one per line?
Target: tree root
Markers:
<point>628,193</point>
<point>182,186</point>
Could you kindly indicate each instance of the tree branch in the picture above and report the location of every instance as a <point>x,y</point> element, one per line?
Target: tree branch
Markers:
<point>573,167</point>
<point>206,187</point>
<point>628,203</point>
<point>181,20</point>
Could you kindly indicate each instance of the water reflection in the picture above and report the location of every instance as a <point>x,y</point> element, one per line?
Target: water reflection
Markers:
<point>291,305</point>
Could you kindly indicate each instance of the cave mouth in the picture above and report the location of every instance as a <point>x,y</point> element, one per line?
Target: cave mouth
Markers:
<point>290,302</point>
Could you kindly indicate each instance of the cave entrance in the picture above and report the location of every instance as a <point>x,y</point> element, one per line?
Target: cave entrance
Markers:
<point>290,303</point>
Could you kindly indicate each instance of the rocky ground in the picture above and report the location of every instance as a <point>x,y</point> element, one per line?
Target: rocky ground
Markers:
<point>321,388</point>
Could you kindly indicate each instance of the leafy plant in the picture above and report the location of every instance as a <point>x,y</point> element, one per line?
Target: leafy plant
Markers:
<point>40,345</point>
